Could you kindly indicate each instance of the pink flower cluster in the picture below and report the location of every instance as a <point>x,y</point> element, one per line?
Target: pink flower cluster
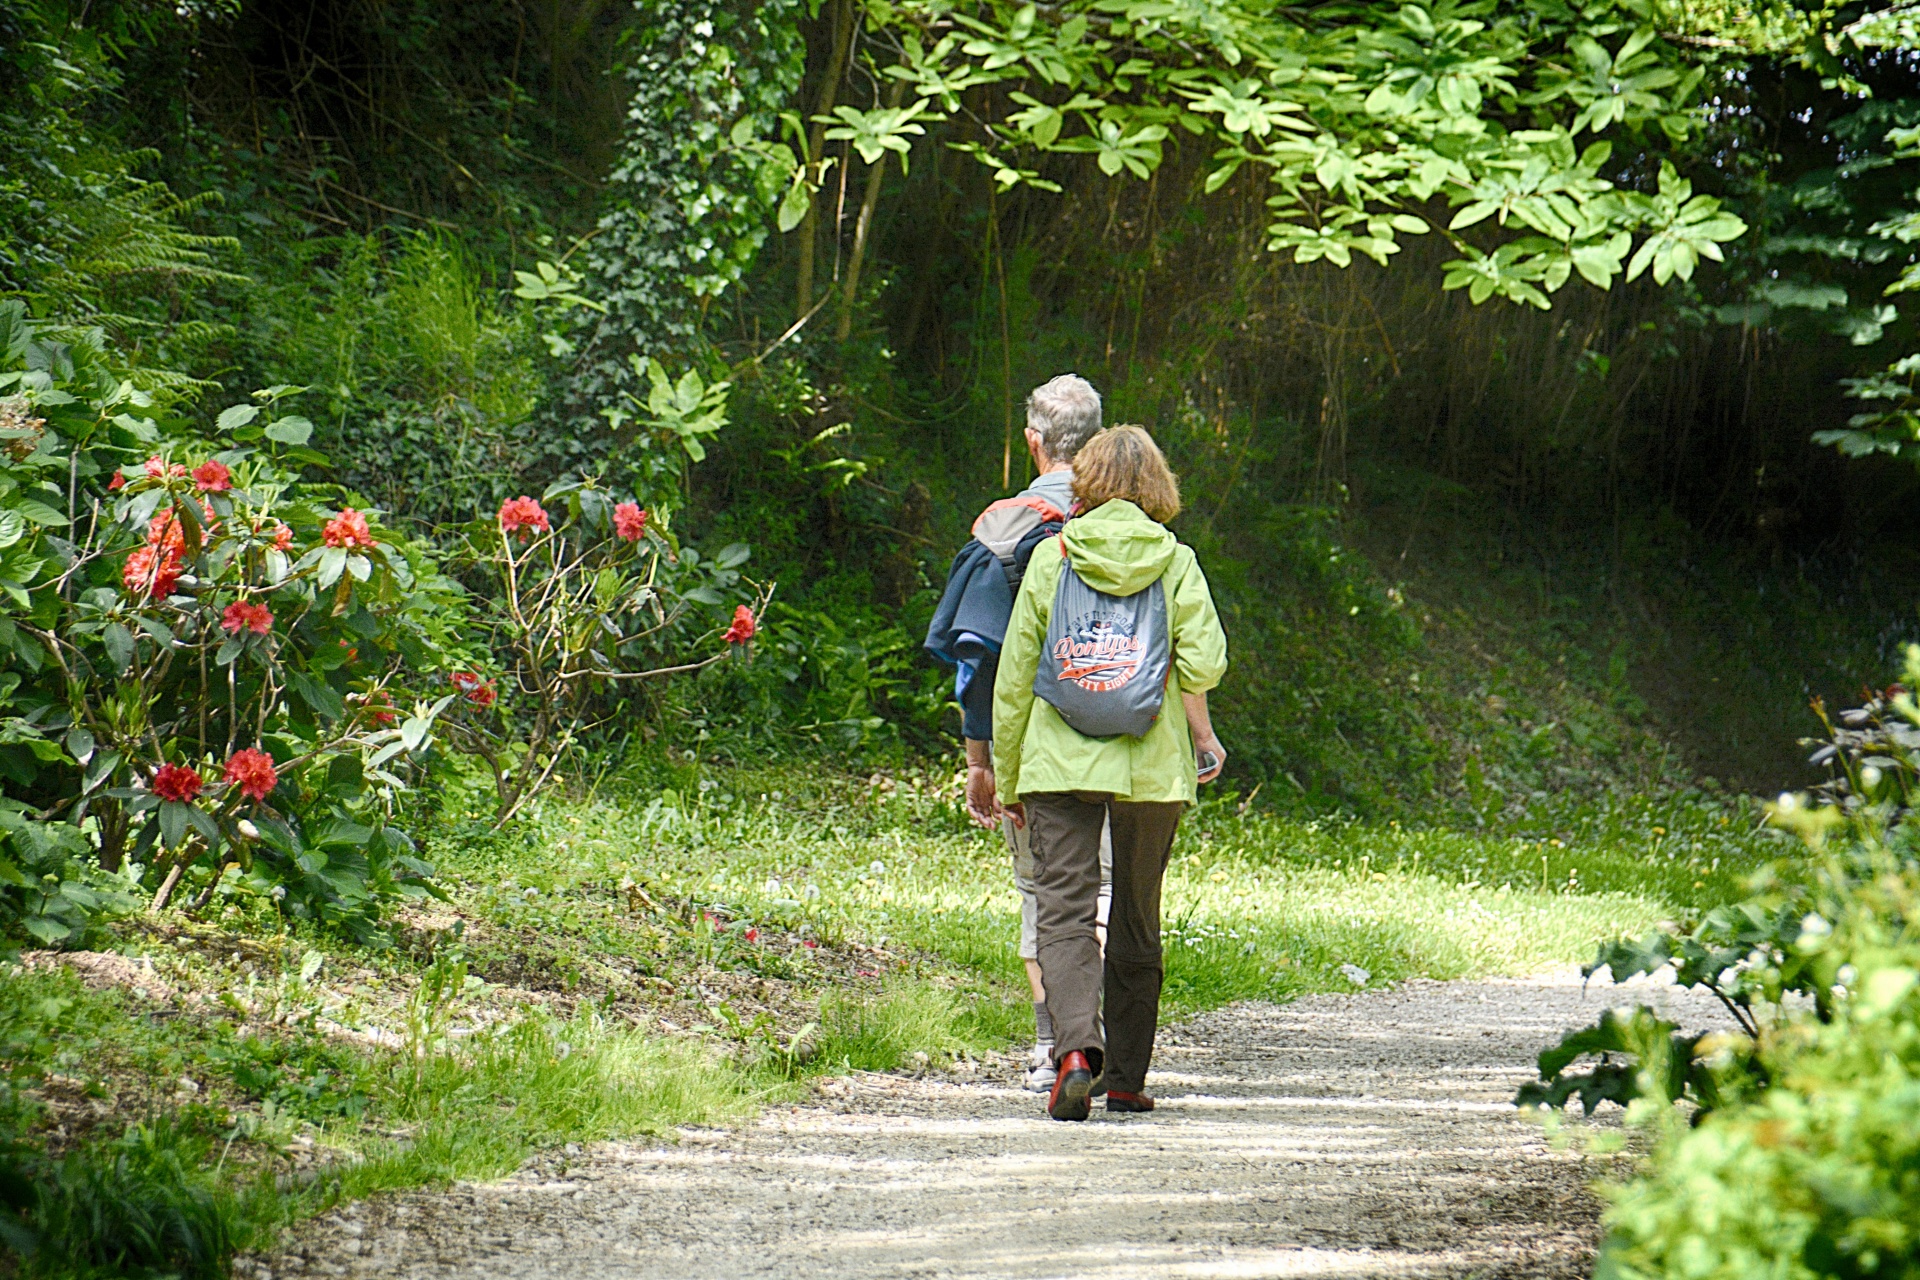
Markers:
<point>245,615</point>
<point>524,516</point>
<point>348,529</point>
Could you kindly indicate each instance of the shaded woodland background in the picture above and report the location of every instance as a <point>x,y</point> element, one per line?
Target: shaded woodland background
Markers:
<point>1471,554</point>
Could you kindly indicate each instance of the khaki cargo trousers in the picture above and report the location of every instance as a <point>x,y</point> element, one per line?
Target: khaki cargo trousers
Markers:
<point>1065,827</point>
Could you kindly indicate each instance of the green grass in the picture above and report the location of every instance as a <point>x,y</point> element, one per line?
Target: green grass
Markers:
<point>1256,906</point>
<point>882,872</point>
<point>179,1192</point>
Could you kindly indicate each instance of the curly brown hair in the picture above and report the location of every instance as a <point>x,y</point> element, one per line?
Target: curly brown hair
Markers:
<point>1124,462</point>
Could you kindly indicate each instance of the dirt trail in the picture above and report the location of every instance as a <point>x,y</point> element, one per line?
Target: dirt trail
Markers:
<point>1366,1135</point>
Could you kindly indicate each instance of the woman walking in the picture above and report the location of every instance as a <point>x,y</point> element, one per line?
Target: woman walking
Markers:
<point>1139,604</point>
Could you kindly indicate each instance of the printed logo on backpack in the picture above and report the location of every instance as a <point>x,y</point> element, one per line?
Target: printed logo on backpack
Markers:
<point>1107,658</point>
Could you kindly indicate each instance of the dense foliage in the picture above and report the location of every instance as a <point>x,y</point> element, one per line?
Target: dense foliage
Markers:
<point>578,327</point>
<point>1793,1155</point>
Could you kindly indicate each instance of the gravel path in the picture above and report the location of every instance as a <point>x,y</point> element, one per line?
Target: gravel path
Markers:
<point>1366,1135</point>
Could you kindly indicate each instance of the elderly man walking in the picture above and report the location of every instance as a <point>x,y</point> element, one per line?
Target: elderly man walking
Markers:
<point>970,625</point>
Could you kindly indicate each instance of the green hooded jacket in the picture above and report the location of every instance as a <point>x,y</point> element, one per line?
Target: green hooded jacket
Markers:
<point>1116,548</point>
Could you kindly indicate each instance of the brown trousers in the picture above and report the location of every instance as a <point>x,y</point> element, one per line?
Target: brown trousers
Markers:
<point>1065,829</point>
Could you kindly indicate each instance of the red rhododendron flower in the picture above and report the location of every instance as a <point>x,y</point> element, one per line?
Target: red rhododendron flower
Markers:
<point>164,534</point>
<point>282,537</point>
<point>156,467</point>
<point>629,522</point>
<point>379,708</point>
<point>524,516</point>
<point>252,771</point>
<point>212,476</point>
<point>119,481</point>
<point>244,615</point>
<point>480,692</point>
<point>348,529</point>
<point>743,626</point>
<point>164,531</point>
<point>151,572</point>
<point>176,782</point>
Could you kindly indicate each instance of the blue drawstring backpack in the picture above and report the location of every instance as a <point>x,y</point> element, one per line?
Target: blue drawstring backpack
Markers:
<point>1107,658</point>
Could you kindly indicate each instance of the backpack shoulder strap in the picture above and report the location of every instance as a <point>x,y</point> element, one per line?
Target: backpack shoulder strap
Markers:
<point>1004,523</point>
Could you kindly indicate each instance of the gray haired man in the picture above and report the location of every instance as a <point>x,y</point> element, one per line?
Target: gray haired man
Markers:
<point>971,621</point>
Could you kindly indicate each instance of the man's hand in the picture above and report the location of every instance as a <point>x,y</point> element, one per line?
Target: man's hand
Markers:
<point>1018,812</point>
<point>983,806</point>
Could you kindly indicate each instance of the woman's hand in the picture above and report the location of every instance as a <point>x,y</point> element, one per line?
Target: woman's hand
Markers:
<point>1205,740</point>
<point>1204,746</point>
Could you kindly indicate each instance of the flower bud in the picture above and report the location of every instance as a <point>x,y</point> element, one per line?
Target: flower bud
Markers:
<point>248,830</point>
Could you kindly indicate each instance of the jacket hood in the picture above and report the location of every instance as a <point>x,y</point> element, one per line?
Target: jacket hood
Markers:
<point>1118,548</point>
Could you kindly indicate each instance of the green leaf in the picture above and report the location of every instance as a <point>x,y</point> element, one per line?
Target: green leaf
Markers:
<point>293,430</point>
<point>794,206</point>
<point>317,694</point>
<point>119,643</point>
<point>237,416</point>
<point>173,823</point>
<point>40,513</point>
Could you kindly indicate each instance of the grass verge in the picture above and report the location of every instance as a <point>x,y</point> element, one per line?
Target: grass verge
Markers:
<point>685,948</point>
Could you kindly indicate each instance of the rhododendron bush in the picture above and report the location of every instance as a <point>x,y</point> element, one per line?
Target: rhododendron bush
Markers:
<point>584,596</point>
<point>220,675</point>
<point>208,659</point>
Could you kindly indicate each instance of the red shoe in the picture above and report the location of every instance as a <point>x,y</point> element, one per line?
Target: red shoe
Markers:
<point>1118,1101</point>
<point>1068,1101</point>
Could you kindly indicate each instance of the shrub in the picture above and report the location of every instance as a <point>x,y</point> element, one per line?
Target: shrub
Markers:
<point>1797,1155</point>
<point>576,604</point>
<point>210,658</point>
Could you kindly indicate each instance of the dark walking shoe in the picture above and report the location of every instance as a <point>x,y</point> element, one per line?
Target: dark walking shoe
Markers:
<point>1118,1101</point>
<point>1068,1101</point>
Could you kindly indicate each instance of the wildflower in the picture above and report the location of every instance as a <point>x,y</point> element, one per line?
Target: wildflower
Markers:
<point>177,783</point>
<point>244,615</point>
<point>743,626</point>
<point>151,572</point>
<point>810,944</point>
<point>348,529</point>
<point>252,771</point>
<point>118,482</point>
<point>212,476</point>
<point>522,515</point>
<point>629,522</point>
<point>753,935</point>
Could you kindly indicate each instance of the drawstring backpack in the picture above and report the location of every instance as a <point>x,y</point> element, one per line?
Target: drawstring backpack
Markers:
<point>1107,658</point>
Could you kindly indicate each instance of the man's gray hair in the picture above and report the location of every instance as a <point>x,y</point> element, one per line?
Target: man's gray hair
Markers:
<point>1066,412</point>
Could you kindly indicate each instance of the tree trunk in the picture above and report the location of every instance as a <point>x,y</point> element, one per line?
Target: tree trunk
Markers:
<point>850,293</point>
<point>842,19</point>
